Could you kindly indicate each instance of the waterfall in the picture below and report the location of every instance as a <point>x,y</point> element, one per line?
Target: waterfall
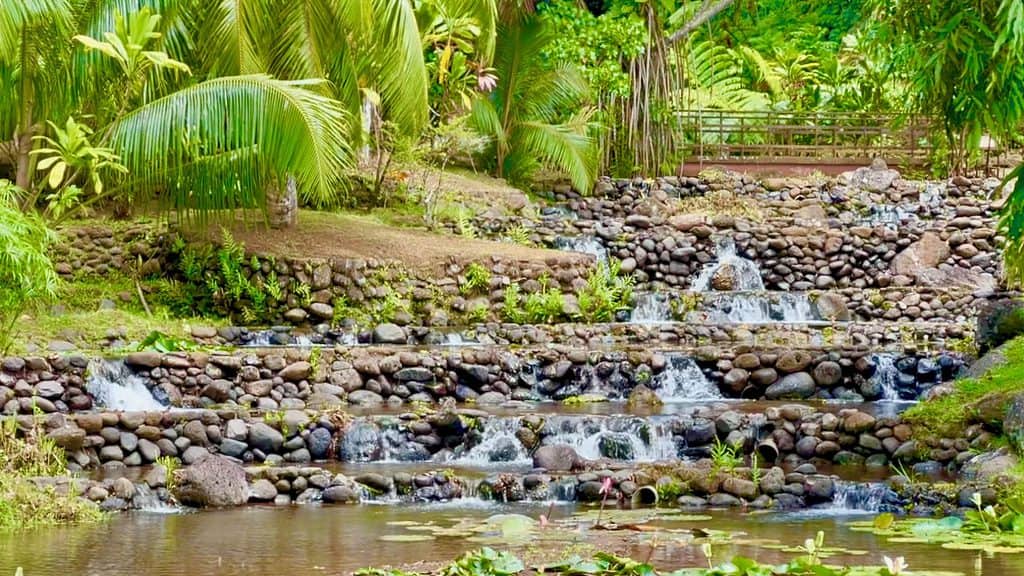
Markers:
<point>757,308</point>
<point>584,244</point>
<point>683,381</point>
<point>745,274</point>
<point>886,376</point>
<point>651,308</point>
<point>631,439</point>
<point>146,500</point>
<point>264,338</point>
<point>115,387</point>
<point>859,497</point>
<point>498,445</point>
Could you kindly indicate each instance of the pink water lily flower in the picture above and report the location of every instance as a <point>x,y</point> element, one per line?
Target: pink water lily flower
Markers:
<point>606,486</point>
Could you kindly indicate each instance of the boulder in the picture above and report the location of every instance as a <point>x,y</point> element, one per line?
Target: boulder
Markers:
<point>389,334</point>
<point>989,467</point>
<point>828,374</point>
<point>832,307</point>
<point>999,321</point>
<point>264,438</point>
<point>798,385</point>
<point>214,481</point>
<point>1013,423</point>
<point>926,253</point>
<point>643,396</point>
<point>296,372</point>
<point>262,490</point>
<point>557,457</point>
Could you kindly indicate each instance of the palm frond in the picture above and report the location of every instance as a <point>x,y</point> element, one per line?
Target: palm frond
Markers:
<point>567,146</point>
<point>16,15</point>
<point>401,72</point>
<point>218,144</point>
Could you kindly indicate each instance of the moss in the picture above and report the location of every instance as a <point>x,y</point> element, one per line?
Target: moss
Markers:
<point>949,416</point>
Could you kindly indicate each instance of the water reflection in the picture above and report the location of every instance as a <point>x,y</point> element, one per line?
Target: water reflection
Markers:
<point>266,541</point>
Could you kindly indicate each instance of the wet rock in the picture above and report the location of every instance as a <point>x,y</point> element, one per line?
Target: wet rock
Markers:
<point>798,385</point>
<point>389,334</point>
<point>989,467</point>
<point>740,487</point>
<point>262,490</point>
<point>340,495</point>
<point>616,446</point>
<point>557,458</point>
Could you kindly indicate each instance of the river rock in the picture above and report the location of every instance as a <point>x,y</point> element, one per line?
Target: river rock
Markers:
<point>928,252</point>
<point>832,307</point>
<point>264,438</point>
<point>214,481</point>
<point>799,385</point>
<point>1013,423</point>
<point>557,458</point>
<point>389,334</point>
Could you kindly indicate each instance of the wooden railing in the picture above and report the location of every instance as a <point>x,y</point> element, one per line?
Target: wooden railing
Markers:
<point>711,136</point>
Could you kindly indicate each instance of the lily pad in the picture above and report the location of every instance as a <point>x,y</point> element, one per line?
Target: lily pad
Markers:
<point>406,538</point>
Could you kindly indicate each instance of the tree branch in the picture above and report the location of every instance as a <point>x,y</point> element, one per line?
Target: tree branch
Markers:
<point>698,20</point>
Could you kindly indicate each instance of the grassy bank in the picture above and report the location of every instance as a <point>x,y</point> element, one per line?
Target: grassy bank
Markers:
<point>24,504</point>
<point>981,400</point>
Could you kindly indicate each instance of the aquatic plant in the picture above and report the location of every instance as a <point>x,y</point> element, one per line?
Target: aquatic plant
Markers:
<point>724,457</point>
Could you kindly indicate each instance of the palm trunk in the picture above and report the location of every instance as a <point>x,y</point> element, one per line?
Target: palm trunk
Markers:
<point>23,138</point>
<point>282,204</point>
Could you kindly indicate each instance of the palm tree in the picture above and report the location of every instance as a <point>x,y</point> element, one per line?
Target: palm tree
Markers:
<point>526,117</point>
<point>205,145</point>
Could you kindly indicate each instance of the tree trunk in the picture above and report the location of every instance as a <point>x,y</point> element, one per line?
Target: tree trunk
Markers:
<point>283,205</point>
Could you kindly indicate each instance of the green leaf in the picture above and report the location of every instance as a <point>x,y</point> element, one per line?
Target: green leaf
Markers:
<point>57,174</point>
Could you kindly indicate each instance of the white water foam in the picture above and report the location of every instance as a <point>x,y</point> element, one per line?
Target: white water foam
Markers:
<point>651,308</point>
<point>115,387</point>
<point>630,439</point>
<point>584,244</point>
<point>886,375</point>
<point>683,381</point>
<point>757,307</point>
<point>746,275</point>
<point>499,444</point>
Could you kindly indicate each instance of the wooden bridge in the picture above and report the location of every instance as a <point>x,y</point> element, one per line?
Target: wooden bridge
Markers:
<point>789,142</point>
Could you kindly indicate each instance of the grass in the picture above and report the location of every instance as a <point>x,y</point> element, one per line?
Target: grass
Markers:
<point>23,504</point>
<point>950,415</point>
<point>84,324</point>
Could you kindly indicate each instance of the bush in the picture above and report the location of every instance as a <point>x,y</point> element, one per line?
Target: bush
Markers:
<point>27,276</point>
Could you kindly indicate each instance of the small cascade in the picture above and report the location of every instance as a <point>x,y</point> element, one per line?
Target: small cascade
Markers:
<point>584,244</point>
<point>651,308</point>
<point>146,500</point>
<point>683,381</point>
<point>264,338</point>
<point>757,307</point>
<point>886,376</point>
<point>933,195</point>
<point>115,387</point>
<point>860,497</point>
<point>729,271</point>
<point>498,445</point>
<point>631,439</point>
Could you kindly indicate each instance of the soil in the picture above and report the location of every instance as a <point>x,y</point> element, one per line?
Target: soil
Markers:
<point>325,235</point>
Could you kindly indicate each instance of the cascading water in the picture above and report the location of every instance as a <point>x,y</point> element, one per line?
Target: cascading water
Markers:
<point>115,387</point>
<point>499,444</point>
<point>683,381</point>
<point>265,338</point>
<point>651,308</point>
<point>584,244</point>
<point>756,307</point>
<point>743,272</point>
<point>630,438</point>
<point>886,376</point>
<point>145,500</point>
<point>860,497</point>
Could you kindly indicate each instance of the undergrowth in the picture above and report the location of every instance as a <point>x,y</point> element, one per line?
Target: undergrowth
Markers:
<point>24,504</point>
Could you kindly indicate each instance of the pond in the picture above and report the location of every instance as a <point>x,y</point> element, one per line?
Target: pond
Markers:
<point>269,541</point>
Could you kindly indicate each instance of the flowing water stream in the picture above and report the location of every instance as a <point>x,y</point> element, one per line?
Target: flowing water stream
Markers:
<point>115,387</point>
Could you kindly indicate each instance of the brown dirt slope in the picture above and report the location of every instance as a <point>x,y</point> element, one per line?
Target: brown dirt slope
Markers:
<point>326,235</point>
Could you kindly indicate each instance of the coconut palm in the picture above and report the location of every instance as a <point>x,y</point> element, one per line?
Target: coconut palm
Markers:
<point>525,116</point>
<point>204,144</point>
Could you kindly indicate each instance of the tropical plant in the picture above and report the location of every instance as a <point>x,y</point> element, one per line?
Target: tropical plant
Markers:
<point>27,276</point>
<point>527,117</point>
<point>724,457</point>
<point>200,144</point>
<point>964,61</point>
<point>607,293</point>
